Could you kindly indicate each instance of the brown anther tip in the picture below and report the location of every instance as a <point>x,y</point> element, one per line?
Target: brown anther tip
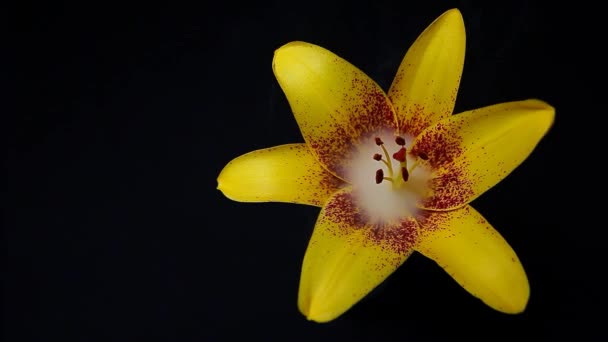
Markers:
<point>377,157</point>
<point>400,141</point>
<point>379,141</point>
<point>405,174</point>
<point>423,156</point>
<point>400,155</point>
<point>379,176</point>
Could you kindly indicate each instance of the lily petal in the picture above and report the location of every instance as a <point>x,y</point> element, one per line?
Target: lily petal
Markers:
<point>333,102</point>
<point>425,87</point>
<point>472,151</point>
<point>471,251</point>
<point>346,257</point>
<point>286,173</point>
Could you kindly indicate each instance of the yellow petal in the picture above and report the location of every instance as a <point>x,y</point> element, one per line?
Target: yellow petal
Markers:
<point>333,102</point>
<point>470,250</point>
<point>287,173</point>
<point>425,88</point>
<point>346,258</point>
<point>472,151</point>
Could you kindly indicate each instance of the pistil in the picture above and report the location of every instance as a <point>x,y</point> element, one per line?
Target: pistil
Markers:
<point>401,157</point>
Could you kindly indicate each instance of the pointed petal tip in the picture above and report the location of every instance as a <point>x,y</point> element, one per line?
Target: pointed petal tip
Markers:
<point>313,313</point>
<point>518,301</point>
<point>545,111</point>
<point>294,43</point>
<point>222,186</point>
<point>288,47</point>
<point>452,12</point>
<point>542,106</point>
<point>537,104</point>
<point>219,181</point>
<point>223,180</point>
<point>318,316</point>
<point>451,19</point>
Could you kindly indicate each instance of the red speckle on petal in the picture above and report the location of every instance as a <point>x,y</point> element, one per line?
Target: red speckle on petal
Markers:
<point>368,110</point>
<point>398,237</point>
<point>451,189</point>
<point>341,209</point>
<point>432,220</point>
<point>441,145</point>
<point>417,120</point>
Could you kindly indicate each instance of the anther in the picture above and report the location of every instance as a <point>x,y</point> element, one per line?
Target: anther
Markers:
<point>400,141</point>
<point>379,141</point>
<point>400,155</point>
<point>423,156</point>
<point>379,176</point>
<point>377,157</point>
<point>404,173</point>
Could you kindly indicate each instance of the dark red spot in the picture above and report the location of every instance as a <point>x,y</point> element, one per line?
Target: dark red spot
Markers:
<point>379,176</point>
<point>423,156</point>
<point>405,174</point>
<point>400,155</point>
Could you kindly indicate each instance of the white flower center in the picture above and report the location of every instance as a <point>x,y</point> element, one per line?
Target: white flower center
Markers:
<point>394,192</point>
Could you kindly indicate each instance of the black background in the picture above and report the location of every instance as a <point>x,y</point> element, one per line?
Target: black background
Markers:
<point>114,227</point>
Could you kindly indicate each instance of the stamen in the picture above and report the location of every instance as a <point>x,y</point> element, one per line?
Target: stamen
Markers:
<point>379,176</point>
<point>423,156</point>
<point>400,141</point>
<point>388,193</point>
<point>400,155</point>
<point>414,166</point>
<point>386,162</point>
<point>405,174</point>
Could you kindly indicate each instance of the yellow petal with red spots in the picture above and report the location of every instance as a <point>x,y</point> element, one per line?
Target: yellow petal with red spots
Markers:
<point>424,90</point>
<point>347,257</point>
<point>333,102</point>
<point>472,151</point>
<point>470,250</point>
<point>287,173</point>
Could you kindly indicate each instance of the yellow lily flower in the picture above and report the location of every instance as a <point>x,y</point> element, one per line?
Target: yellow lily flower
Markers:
<point>393,173</point>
